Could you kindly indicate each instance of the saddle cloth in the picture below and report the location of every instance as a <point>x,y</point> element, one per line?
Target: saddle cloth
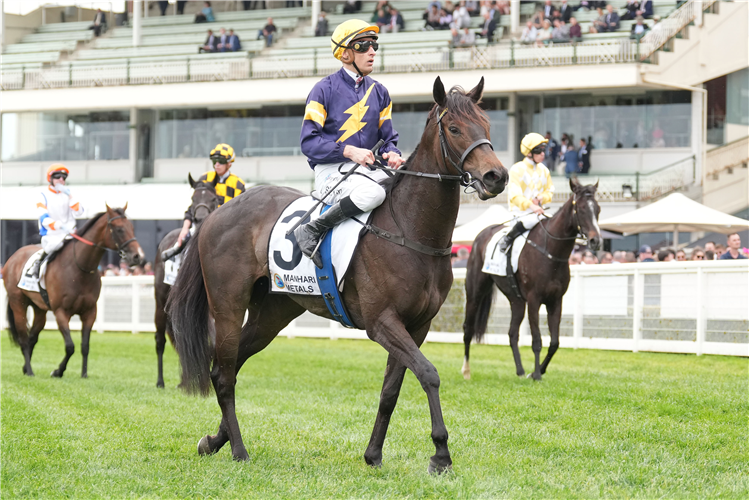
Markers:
<point>290,270</point>
<point>171,268</point>
<point>28,282</point>
<point>495,262</point>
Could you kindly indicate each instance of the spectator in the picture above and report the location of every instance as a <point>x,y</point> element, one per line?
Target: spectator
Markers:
<point>503,7</point>
<point>709,255</point>
<point>710,246</point>
<point>100,22</point>
<point>538,19</point>
<point>574,259</point>
<point>461,17</point>
<point>467,38</point>
<point>381,19</point>
<point>321,29</point>
<point>632,7</point>
<point>446,20</point>
<point>561,32</point>
<point>565,12</point>
<point>138,271</point>
<point>612,19</point>
<point>607,258</point>
<point>205,15</point>
<point>529,36</point>
<point>473,7</point>
<point>449,7</point>
<point>698,254</point>
<point>599,25</point>
<point>646,9</point>
<point>223,41</point>
<point>490,25</point>
<point>181,6</point>
<point>734,244</point>
<point>681,255</point>
<point>666,255</point>
<point>586,4</point>
<point>638,29</point>
<point>552,152</point>
<point>645,254</point>
<point>124,269</point>
<point>267,32</point>
<point>620,257</point>
<point>719,250</point>
<point>462,259</point>
<point>432,18</point>
<point>630,257</point>
<point>549,10</point>
<point>583,157</point>
<point>111,270</point>
<point>576,32</point>
<point>382,5</point>
<point>589,258</point>
<point>148,269</point>
<point>544,34</point>
<point>571,160</point>
<point>395,23</point>
<point>234,43</point>
<point>351,6</point>
<point>210,44</point>
<point>163,5</point>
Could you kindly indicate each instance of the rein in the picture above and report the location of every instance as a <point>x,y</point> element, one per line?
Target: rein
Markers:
<point>120,246</point>
<point>548,235</point>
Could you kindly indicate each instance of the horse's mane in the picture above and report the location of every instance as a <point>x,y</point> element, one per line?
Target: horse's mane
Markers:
<point>90,223</point>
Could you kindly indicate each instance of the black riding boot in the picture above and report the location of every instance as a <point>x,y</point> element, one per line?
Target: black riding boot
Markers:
<point>34,271</point>
<point>308,235</point>
<point>514,233</point>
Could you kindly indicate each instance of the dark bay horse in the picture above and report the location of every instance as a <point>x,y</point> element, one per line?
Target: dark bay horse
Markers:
<point>543,276</point>
<point>73,284</point>
<point>391,291</point>
<point>204,201</point>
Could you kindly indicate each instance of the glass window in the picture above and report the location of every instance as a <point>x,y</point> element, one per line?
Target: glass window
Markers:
<point>65,136</point>
<point>737,97</point>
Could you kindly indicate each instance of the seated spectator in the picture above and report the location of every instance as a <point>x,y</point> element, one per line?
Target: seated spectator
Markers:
<point>223,41</point>
<point>432,18</point>
<point>583,157</point>
<point>645,254</point>
<point>561,32</point>
<point>234,43</point>
<point>666,255</point>
<point>465,38</point>
<point>612,19</point>
<point>576,32</point>
<point>210,44</point>
<point>589,258</point>
<point>549,10</point>
<point>709,255</point>
<point>646,9</point>
<point>449,7</point>
<point>632,7</point>
<point>461,18</point>
<point>734,248</point>
<point>607,258</point>
<point>382,5</point>
<point>574,259</point>
<point>491,18</point>
<point>599,25</point>
<point>638,29</point>
<point>445,20</point>
<point>529,33</point>
<point>544,34</point>
<point>395,23</point>
<point>100,22</point>
<point>267,32</point>
<point>565,12</point>
<point>321,29</point>
<point>503,7</point>
<point>381,19</point>
<point>205,15</point>
<point>681,255</point>
<point>474,8</point>
<point>538,19</point>
<point>352,6</point>
<point>570,157</point>
<point>586,4</point>
<point>697,254</point>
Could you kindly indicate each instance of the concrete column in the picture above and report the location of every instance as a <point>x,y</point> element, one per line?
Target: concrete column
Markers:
<point>514,15</point>
<point>2,28</point>
<point>134,143</point>
<point>699,133</point>
<point>136,22</point>
<point>512,125</point>
<point>315,12</point>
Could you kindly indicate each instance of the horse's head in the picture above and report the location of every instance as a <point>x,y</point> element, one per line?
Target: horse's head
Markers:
<point>204,199</point>
<point>586,211</point>
<point>121,236</point>
<point>464,139</point>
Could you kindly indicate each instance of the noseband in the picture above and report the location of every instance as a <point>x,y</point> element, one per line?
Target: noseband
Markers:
<point>120,246</point>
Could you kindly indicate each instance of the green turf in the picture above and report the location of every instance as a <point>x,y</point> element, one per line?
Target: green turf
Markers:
<point>601,424</point>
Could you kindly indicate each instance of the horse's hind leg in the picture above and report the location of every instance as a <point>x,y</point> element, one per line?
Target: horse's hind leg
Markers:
<point>479,294</point>
<point>554,315</point>
<point>63,323</point>
<point>518,313</point>
<point>40,319</point>
<point>160,320</point>
<point>18,309</point>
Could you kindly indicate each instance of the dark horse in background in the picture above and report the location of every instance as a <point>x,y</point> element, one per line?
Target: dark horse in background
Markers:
<point>391,291</point>
<point>73,284</point>
<point>543,276</point>
<point>204,201</point>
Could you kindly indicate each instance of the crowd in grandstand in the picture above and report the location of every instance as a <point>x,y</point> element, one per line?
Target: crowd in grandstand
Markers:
<point>224,42</point>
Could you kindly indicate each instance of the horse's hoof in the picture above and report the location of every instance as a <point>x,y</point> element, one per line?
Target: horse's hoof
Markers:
<point>242,457</point>
<point>28,373</point>
<point>536,377</point>
<point>160,385</point>
<point>434,468</point>
<point>56,374</point>
<point>84,375</point>
<point>203,446</point>
<point>375,463</point>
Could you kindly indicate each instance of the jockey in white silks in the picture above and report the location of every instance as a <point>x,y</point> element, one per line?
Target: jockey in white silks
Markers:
<point>56,210</point>
<point>529,188</point>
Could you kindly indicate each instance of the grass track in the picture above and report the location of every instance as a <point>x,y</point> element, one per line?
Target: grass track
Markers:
<point>601,424</point>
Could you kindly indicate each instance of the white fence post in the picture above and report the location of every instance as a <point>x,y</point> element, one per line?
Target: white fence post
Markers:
<point>135,311</point>
<point>577,317</point>
<point>638,284</point>
<point>99,323</point>
<point>701,320</point>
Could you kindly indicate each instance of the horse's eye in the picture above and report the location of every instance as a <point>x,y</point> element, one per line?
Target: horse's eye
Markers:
<point>454,130</point>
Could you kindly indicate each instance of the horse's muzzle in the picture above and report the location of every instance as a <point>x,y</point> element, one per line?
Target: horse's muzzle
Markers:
<point>492,183</point>
<point>594,243</point>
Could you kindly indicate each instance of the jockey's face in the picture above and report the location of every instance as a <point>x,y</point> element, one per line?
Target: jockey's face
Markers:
<point>58,179</point>
<point>221,169</point>
<point>538,158</point>
<point>364,60</point>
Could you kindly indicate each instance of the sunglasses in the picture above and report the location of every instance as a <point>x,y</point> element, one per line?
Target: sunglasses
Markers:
<point>698,256</point>
<point>219,159</point>
<point>364,46</point>
<point>59,175</point>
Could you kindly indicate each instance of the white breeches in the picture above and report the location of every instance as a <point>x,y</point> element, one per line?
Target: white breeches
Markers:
<point>362,186</point>
<point>529,220</point>
<point>53,242</point>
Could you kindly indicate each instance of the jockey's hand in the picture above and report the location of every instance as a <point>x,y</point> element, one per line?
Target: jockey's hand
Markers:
<point>394,159</point>
<point>68,228</point>
<point>182,234</point>
<point>64,189</point>
<point>359,155</point>
<point>537,209</point>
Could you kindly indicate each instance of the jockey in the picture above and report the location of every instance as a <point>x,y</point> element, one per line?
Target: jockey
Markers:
<point>57,211</point>
<point>347,114</point>
<point>529,188</point>
<point>228,185</point>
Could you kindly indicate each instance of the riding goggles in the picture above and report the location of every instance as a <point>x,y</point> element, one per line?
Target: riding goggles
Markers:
<point>539,149</point>
<point>219,159</point>
<point>59,175</point>
<point>364,46</point>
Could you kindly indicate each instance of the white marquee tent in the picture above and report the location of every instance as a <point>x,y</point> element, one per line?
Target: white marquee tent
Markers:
<point>496,214</point>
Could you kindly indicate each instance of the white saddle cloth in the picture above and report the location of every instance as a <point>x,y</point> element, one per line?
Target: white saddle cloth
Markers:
<point>495,262</point>
<point>28,282</point>
<point>290,270</point>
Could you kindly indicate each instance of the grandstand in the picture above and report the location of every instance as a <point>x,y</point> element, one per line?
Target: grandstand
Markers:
<point>139,106</point>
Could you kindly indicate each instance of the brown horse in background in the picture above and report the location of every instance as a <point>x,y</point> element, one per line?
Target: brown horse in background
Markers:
<point>204,201</point>
<point>391,290</point>
<point>73,284</point>
<point>543,276</point>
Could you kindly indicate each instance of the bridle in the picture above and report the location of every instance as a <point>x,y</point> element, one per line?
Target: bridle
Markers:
<point>548,235</point>
<point>120,246</point>
<point>194,208</point>
<point>466,179</point>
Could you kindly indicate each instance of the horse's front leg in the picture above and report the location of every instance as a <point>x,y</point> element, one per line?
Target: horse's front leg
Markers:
<point>87,323</point>
<point>389,331</point>
<point>554,315</point>
<point>533,307</point>
<point>63,323</point>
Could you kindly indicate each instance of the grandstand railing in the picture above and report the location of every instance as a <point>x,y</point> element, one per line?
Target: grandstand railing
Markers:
<point>679,307</point>
<point>729,155</point>
<point>314,62</point>
<point>668,28</point>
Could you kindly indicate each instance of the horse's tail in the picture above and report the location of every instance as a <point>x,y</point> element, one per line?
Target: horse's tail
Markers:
<point>187,308</point>
<point>479,295</point>
<point>481,320</point>
<point>12,330</point>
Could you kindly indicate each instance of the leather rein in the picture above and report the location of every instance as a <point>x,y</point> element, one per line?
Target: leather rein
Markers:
<point>548,235</point>
<point>120,246</point>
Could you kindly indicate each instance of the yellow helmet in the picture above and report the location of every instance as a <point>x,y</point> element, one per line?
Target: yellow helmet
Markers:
<point>349,30</point>
<point>530,141</point>
<point>223,151</point>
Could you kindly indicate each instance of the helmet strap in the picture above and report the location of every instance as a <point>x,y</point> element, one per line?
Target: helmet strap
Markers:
<point>353,63</point>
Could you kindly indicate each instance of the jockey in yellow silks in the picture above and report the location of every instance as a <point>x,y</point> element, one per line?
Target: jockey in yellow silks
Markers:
<point>529,188</point>
<point>56,213</point>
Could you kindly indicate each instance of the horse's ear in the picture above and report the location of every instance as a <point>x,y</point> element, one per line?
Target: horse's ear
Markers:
<point>597,181</point>
<point>574,184</point>
<point>109,210</point>
<point>191,180</point>
<point>125,207</point>
<point>439,93</point>
<point>478,91</point>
